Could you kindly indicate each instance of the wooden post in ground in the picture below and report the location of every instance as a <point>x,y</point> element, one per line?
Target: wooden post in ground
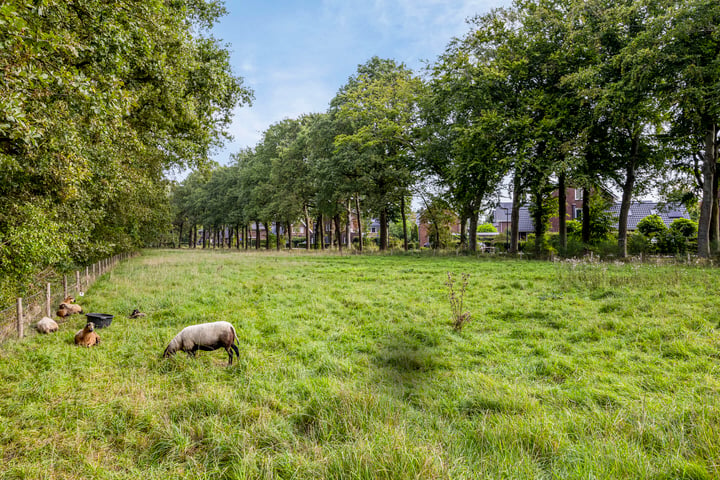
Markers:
<point>65,292</point>
<point>78,291</point>
<point>87,278</point>
<point>48,300</point>
<point>20,318</point>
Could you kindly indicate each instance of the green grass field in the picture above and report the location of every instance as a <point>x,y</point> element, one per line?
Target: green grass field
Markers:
<point>350,369</point>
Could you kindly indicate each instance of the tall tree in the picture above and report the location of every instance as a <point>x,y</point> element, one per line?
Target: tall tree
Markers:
<point>380,104</point>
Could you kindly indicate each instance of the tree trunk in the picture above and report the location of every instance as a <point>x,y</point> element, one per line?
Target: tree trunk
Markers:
<point>204,236</point>
<point>538,222</point>
<point>562,213</point>
<point>627,189</point>
<point>246,229</point>
<point>714,220</point>
<point>404,220</point>
<point>321,232</point>
<point>338,232</point>
<point>257,235</point>
<point>348,229</point>
<point>709,166</point>
<point>331,234</point>
<point>277,235</point>
<point>359,222</point>
<point>267,235</point>
<point>586,216</point>
<point>289,235</point>
<point>307,227</point>
<point>515,216</point>
<point>383,229</point>
<point>472,231</point>
<point>463,236</point>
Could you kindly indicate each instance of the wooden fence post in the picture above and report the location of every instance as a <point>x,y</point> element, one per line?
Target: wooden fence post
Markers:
<point>20,318</point>
<point>48,299</point>
<point>78,291</point>
<point>87,278</point>
<point>65,292</point>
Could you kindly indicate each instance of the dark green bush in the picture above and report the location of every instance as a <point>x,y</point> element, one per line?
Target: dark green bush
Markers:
<point>651,225</point>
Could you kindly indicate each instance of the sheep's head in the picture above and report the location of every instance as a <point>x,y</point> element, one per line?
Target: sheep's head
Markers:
<point>90,327</point>
<point>69,299</point>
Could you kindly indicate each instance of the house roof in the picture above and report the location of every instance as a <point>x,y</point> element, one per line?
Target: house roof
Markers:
<point>639,210</point>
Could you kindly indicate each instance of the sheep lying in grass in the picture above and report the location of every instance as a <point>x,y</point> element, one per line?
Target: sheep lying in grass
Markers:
<point>67,308</point>
<point>87,336</point>
<point>46,325</point>
<point>136,314</point>
<point>205,336</point>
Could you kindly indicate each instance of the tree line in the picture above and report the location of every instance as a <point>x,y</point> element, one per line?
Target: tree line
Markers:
<point>533,98</point>
<point>99,99</point>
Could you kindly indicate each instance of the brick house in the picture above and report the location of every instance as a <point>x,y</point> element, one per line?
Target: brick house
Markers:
<point>573,210</point>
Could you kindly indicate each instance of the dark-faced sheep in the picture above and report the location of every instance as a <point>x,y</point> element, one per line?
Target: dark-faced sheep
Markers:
<point>136,314</point>
<point>87,336</point>
<point>205,336</point>
<point>46,325</point>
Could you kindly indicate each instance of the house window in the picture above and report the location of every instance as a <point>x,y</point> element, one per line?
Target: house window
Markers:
<point>578,194</point>
<point>373,230</point>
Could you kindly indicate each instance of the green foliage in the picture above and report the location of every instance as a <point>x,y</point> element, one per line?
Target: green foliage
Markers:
<point>602,221</point>
<point>683,226</point>
<point>487,228</point>
<point>573,228</point>
<point>98,101</point>
<point>651,226</point>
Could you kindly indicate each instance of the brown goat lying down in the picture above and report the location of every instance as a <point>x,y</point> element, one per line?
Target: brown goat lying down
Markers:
<point>205,336</point>
<point>87,336</point>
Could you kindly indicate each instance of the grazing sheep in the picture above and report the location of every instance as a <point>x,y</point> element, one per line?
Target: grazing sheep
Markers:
<point>205,336</point>
<point>136,314</point>
<point>67,309</point>
<point>87,336</point>
<point>69,299</point>
<point>46,325</point>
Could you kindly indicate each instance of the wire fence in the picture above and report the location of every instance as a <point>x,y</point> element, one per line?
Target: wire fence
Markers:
<point>15,319</point>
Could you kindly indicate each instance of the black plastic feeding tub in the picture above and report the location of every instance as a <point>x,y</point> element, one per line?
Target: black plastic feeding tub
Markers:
<point>101,320</point>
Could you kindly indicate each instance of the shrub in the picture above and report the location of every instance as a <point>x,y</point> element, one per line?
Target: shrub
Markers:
<point>486,228</point>
<point>638,243</point>
<point>683,226</point>
<point>546,249</point>
<point>651,225</point>
<point>573,227</point>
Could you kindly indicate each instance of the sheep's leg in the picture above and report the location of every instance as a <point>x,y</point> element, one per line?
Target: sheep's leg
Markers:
<point>230,355</point>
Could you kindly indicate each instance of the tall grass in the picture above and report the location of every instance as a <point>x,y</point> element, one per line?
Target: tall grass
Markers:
<point>350,368</point>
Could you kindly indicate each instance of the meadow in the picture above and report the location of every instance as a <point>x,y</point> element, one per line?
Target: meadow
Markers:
<point>350,369</point>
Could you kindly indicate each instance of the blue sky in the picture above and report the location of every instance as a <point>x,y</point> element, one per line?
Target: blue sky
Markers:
<point>295,55</point>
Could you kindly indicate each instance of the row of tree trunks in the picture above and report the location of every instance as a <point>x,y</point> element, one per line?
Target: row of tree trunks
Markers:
<point>708,175</point>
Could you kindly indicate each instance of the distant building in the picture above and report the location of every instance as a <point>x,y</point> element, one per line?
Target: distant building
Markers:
<point>638,211</point>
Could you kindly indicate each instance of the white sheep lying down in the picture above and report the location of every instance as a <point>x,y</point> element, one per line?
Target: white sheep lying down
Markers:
<point>46,325</point>
<point>205,336</point>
